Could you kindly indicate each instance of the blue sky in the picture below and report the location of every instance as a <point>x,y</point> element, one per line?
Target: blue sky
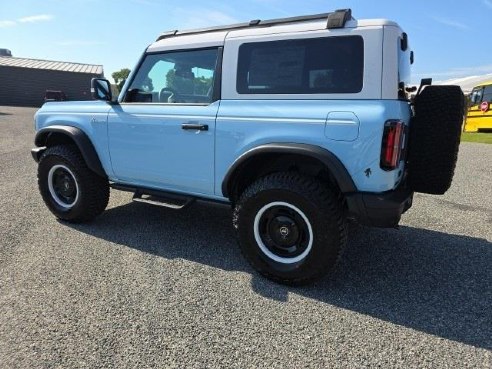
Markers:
<point>451,39</point>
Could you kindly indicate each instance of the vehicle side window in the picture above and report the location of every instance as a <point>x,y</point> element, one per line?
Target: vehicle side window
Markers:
<point>301,66</point>
<point>175,77</point>
<point>487,94</point>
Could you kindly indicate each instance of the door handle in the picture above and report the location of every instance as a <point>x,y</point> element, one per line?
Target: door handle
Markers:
<point>195,126</point>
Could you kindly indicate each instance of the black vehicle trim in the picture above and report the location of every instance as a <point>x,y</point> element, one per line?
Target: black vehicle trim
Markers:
<point>336,19</point>
<point>132,76</point>
<point>343,178</point>
<point>382,210</point>
<point>217,93</point>
<point>82,141</point>
<point>37,152</point>
<point>164,193</point>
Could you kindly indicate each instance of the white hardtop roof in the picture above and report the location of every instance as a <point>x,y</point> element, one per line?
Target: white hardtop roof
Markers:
<point>217,37</point>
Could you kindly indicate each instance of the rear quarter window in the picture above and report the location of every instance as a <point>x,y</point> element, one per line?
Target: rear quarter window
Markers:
<point>301,66</point>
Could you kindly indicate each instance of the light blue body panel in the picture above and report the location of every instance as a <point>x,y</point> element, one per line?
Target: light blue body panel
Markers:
<point>148,146</point>
<point>88,116</point>
<point>145,145</point>
<point>245,124</point>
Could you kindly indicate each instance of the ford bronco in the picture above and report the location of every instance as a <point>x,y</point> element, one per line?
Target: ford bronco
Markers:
<point>298,123</point>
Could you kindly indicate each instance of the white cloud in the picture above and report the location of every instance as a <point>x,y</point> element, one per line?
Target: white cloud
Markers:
<point>451,23</point>
<point>465,71</point>
<point>29,19</point>
<point>7,23</point>
<point>36,18</point>
<point>466,83</point>
<point>464,80</point>
<point>487,3</point>
<point>456,73</point>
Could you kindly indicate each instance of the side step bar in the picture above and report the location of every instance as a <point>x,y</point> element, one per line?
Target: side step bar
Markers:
<point>168,200</point>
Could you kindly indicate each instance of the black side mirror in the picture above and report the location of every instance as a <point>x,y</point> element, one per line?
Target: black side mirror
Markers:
<point>101,89</point>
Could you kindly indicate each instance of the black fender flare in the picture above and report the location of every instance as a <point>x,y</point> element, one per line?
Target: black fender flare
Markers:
<point>80,139</point>
<point>330,160</point>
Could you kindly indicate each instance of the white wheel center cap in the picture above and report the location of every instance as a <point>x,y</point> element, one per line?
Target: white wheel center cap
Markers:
<point>284,231</point>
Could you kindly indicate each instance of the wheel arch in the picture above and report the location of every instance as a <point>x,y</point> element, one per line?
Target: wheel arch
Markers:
<point>59,134</point>
<point>272,157</point>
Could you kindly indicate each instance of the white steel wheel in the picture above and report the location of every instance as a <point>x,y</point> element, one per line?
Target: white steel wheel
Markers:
<point>283,232</point>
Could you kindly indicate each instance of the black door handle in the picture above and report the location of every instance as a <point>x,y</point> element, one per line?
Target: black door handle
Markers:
<point>195,126</point>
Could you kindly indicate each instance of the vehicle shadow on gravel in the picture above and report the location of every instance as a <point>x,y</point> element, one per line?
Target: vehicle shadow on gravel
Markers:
<point>430,281</point>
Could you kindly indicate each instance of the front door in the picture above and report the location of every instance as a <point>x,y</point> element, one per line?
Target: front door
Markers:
<point>162,134</point>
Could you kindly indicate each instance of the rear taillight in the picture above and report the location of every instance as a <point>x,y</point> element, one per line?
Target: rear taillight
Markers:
<point>393,142</point>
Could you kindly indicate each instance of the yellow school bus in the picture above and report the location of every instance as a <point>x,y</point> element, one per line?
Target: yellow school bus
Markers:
<point>479,115</point>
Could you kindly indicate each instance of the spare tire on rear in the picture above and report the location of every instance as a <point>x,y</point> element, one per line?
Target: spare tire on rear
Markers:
<point>435,133</point>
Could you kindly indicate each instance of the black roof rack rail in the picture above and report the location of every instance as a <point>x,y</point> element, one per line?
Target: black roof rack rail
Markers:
<point>336,19</point>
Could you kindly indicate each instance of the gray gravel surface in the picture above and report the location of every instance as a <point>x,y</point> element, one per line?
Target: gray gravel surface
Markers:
<point>147,287</point>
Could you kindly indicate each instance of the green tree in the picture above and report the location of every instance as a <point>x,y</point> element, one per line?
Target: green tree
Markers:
<point>120,77</point>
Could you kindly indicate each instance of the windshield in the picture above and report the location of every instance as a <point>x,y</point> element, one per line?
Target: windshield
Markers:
<point>480,94</point>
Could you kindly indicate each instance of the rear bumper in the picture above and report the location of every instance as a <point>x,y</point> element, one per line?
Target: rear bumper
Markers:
<point>379,209</point>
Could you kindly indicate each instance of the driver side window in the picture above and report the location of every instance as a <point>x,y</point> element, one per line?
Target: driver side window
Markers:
<point>175,77</point>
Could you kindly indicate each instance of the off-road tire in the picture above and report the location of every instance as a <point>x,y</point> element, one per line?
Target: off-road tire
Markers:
<point>93,190</point>
<point>316,201</point>
<point>435,133</point>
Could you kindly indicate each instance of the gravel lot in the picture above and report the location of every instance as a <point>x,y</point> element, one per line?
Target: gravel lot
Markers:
<point>144,286</point>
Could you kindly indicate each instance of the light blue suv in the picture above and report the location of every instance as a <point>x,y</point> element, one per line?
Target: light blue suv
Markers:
<point>299,123</point>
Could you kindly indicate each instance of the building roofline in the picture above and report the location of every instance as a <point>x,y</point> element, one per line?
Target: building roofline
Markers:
<point>54,65</point>
<point>50,61</point>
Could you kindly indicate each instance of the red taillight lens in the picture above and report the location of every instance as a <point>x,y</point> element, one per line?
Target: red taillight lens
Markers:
<point>393,140</point>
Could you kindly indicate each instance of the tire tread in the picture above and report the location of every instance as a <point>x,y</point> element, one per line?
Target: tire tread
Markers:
<point>317,193</point>
<point>435,133</point>
<point>96,188</point>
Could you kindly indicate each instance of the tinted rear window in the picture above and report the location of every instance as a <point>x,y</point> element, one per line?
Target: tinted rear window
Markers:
<point>306,66</point>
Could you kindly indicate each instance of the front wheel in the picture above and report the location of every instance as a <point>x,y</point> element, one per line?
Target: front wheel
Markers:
<point>69,188</point>
<point>291,227</point>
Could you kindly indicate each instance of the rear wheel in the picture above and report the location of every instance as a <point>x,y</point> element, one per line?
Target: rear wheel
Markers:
<point>69,188</point>
<point>291,227</point>
<point>435,133</point>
